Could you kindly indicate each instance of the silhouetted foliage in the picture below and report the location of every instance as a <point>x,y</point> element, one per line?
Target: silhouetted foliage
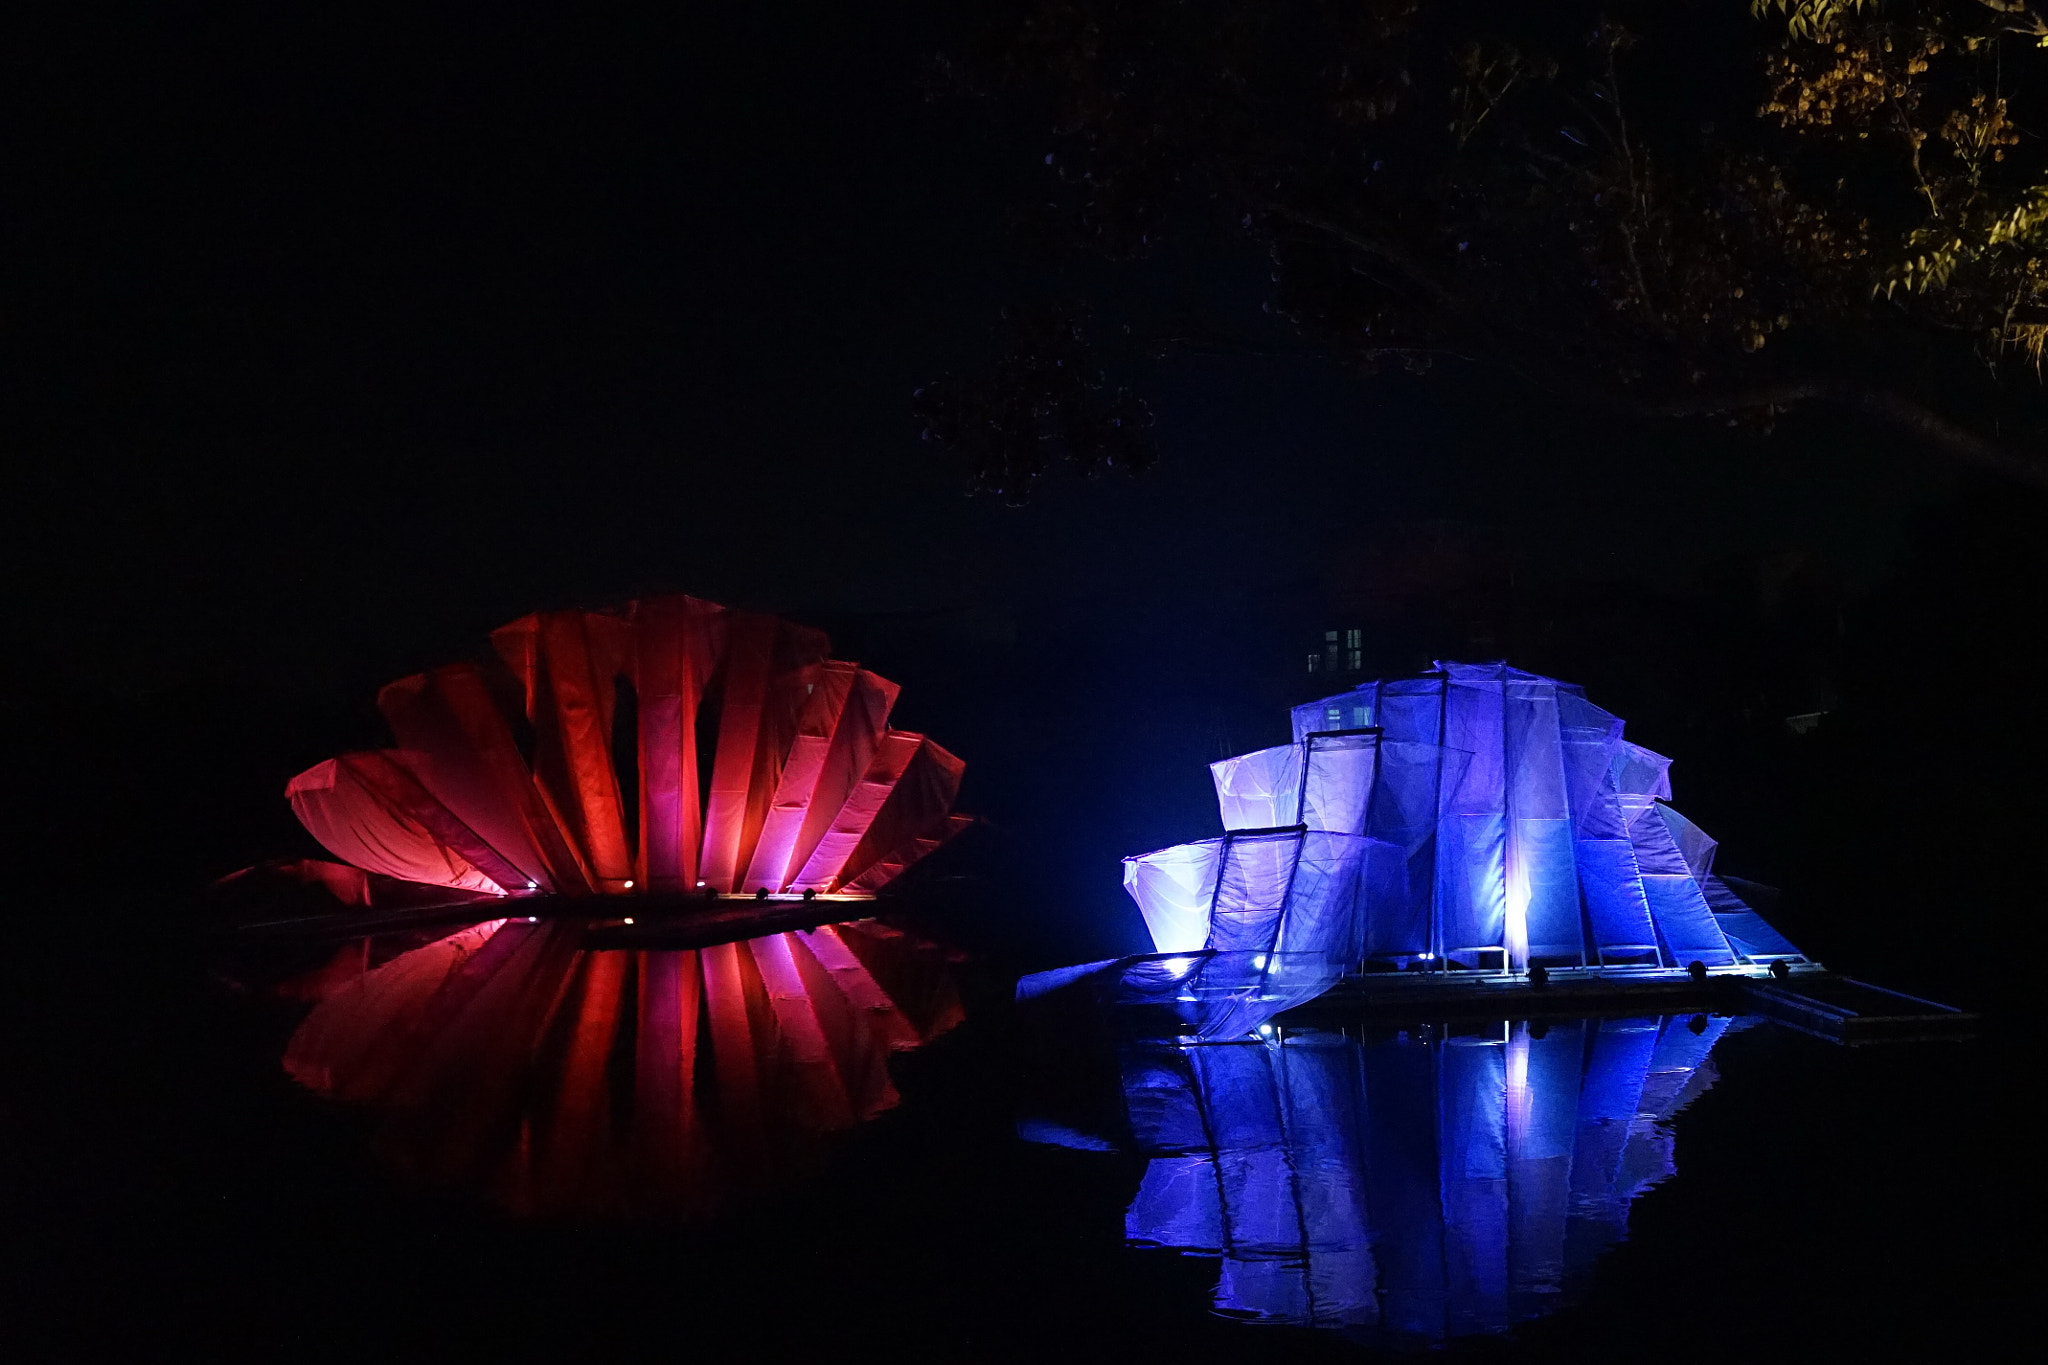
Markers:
<point>1680,210</point>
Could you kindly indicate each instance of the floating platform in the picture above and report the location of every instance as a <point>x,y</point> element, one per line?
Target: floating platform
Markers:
<point>1807,997</point>
<point>609,922</point>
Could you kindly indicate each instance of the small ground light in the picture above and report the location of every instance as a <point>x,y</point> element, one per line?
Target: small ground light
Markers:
<point>1265,1030</point>
<point>700,883</point>
<point>629,885</point>
<point>533,886</point>
<point>629,919</point>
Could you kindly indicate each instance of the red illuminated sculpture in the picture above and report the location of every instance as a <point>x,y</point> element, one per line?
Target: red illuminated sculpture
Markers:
<point>618,1036</point>
<point>666,746</point>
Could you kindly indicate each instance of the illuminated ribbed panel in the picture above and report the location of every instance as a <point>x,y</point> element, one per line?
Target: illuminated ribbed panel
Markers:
<point>665,744</point>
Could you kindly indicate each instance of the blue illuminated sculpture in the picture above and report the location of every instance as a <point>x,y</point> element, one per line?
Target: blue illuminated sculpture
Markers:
<point>1477,817</point>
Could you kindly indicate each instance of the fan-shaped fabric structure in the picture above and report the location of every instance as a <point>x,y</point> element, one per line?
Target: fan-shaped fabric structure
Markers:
<point>1410,1186</point>
<point>1476,815</point>
<point>664,746</point>
<point>561,1080</point>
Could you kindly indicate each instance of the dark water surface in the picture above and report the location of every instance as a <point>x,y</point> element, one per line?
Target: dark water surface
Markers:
<point>169,1190</point>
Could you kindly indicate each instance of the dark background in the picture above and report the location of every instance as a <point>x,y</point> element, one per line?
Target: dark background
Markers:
<point>334,339</point>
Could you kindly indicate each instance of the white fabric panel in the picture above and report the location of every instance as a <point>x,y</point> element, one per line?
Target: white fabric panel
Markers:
<point>1339,784</point>
<point>1259,790</point>
<point>1174,888</point>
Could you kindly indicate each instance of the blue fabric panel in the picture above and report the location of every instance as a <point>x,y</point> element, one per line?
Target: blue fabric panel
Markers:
<point>1402,1190</point>
<point>1547,862</point>
<point>1410,711</point>
<point>1676,905</point>
<point>1594,811</point>
<point>1608,1101</point>
<point>1471,882</point>
<point>1322,1101</point>
<point>1679,1054</point>
<point>1542,1130</point>
<point>1615,902</point>
<point>1177,1205</point>
<point>1748,932</point>
<point>1251,888</point>
<point>1337,782</point>
<point>1542,880</point>
<point>1238,1089</point>
<point>1396,914</point>
<point>1641,771</point>
<point>1161,1100</point>
<point>1549,1120</point>
<point>1325,913</point>
<point>1353,710</point>
<point>1686,924</point>
<point>1474,1148</point>
<point>1692,842</point>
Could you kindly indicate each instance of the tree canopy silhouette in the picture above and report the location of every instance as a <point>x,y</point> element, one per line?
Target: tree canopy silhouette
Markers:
<point>1678,210</point>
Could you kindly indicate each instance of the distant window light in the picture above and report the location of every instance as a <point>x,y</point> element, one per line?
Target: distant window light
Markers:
<point>1329,637</point>
<point>1354,639</point>
<point>1315,661</point>
<point>1357,662</point>
<point>1361,716</point>
<point>1333,716</point>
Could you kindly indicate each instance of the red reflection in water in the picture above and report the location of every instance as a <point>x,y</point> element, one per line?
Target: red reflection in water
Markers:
<point>569,1082</point>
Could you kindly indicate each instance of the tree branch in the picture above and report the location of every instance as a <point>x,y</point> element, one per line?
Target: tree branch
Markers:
<point>1892,408</point>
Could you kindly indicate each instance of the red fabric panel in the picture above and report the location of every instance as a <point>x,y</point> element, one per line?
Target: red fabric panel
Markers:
<point>917,975</point>
<point>806,1057</point>
<point>568,661</point>
<point>677,645</point>
<point>348,885</point>
<point>749,656</point>
<point>860,1023</point>
<point>776,847</point>
<point>356,824</point>
<point>386,772</point>
<point>354,1043</point>
<point>737,1066</point>
<point>792,682</point>
<point>916,808</point>
<point>461,750</point>
<point>570,1162</point>
<point>497,1053</point>
<point>822,870</point>
<point>862,723</point>
<point>880,873</point>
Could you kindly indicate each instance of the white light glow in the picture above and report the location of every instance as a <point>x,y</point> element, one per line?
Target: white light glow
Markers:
<point>629,885</point>
<point>629,919</point>
<point>1259,962</point>
<point>700,883</point>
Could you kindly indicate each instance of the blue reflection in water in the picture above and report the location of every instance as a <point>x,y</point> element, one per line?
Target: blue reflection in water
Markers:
<point>1411,1186</point>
